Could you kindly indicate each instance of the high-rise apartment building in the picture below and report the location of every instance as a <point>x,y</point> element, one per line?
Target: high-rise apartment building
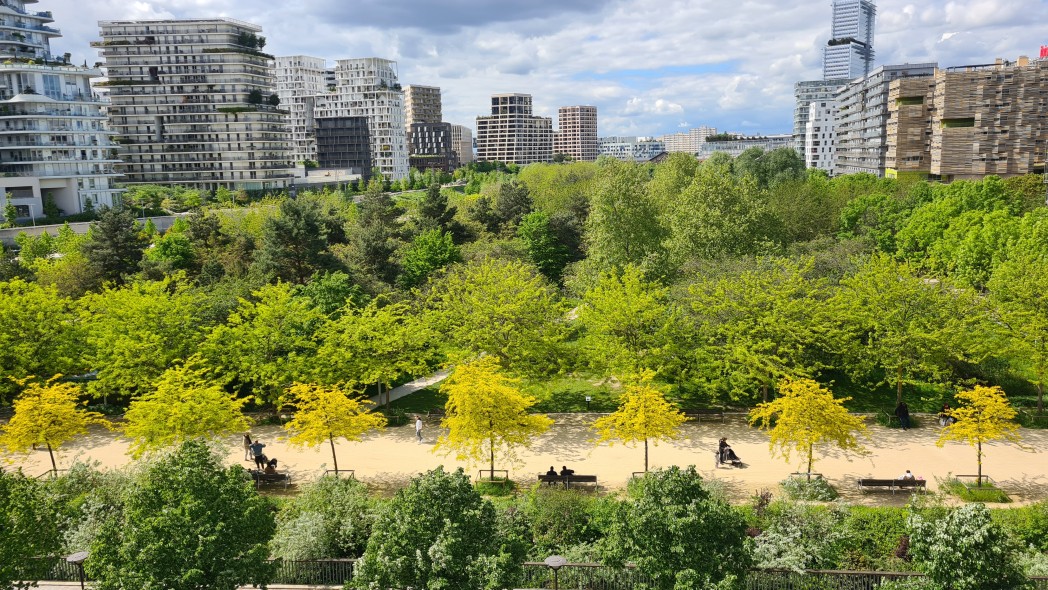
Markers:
<point>343,144</point>
<point>299,80</point>
<point>512,134</point>
<point>819,136</point>
<point>849,53</point>
<point>806,94</point>
<point>630,149</point>
<point>55,147</point>
<point>862,119</point>
<point>368,87</point>
<point>971,121</point>
<point>431,147</point>
<point>577,133</point>
<point>690,142</point>
<point>462,143</point>
<point>421,104</point>
<point>190,104</point>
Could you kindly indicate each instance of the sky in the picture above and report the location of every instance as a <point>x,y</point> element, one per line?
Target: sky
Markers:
<point>650,66</point>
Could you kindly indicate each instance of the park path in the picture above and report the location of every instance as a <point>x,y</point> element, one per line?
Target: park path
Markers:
<point>409,388</point>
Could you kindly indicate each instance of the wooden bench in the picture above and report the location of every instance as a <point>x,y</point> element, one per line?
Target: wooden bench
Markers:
<point>892,484</point>
<point>698,414</point>
<point>262,478</point>
<point>568,481</point>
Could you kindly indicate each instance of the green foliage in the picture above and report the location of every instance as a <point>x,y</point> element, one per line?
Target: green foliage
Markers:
<point>870,538</point>
<point>377,234</point>
<point>114,246</point>
<point>332,292</point>
<point>331,518</point>
<point>28,529</point>
<point>800,537</point>
<point>677,533</point>
<point>802,488</point>
<point>544,249</point>
<point>436,533</point>
<point>429,251</point>
<point>188,523</point>
<point>559,519</point>
<point>965,550</point>
<point>294,242</point>
<point>1027,524</point>
<point>987,492</point>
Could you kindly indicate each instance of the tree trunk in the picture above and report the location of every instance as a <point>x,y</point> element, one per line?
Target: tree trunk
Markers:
<point>978,455</point>
<point>333,457</point>
<point>54,467</point>
<point>811,454</point>
<point>645,455</point>
<point>380,396</point>
<point>1040,395</point>
<point>491,448</point>
<point>764,392</point>
<point>898,385</point>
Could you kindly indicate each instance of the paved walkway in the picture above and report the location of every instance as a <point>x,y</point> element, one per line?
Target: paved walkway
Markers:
<point>409,388</point>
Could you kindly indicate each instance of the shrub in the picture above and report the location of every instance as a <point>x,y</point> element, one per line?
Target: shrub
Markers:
<point>27,528</point>
<point>985,493</point>
<point>559,519</point>
<point>800,537</point>
<point>965,550</point>
<point>871,537</point>
<point>1027,524</point>
<point>802,488</point>
<point>678,534</point>
<point>331,518</point>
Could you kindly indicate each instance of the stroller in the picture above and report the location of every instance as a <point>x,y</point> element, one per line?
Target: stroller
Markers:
<point>724,455</point>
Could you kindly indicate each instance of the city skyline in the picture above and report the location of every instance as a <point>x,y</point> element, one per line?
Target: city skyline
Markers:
<point>651,68</point>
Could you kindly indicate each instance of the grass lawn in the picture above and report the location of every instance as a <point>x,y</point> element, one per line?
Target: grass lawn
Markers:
<point>568,394</point>
<point>971,493</point>
<point>422,401</point>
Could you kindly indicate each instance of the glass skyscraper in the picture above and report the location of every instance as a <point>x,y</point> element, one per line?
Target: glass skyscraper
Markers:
<point>849,53</point>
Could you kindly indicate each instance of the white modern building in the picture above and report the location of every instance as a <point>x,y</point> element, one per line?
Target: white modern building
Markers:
<point>368,87</point>
<point>191,103</point>
<point>849,53</point>
<point>512,134</point>
<point>300,79</point>
<point>630,149</point>
<point>819,137</point>
<point>735,147</point>
<point>54,145</point>
<point>462,143</point>
<point>690,141</point>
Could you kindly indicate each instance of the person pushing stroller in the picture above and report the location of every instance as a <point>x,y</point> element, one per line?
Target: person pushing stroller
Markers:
<point>725,454</point>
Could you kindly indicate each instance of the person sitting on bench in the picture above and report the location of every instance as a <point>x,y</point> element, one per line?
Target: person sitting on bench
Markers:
<point>566,474</point>
<point>727,455</point>
<point>271,467</point>
<point>551,476</point>
<point>907,476</point>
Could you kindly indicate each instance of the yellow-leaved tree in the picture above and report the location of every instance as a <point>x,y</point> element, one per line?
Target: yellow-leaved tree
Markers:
<point>804,415</point>
<point>323,414</point>
<point>983,415</point>
<point>643,415</point>
<point>486,412</point>
<point>184,403</point>
<point>48,414</point>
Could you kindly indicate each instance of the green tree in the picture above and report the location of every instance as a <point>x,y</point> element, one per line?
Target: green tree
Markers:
<point>332,292</point>
<point>984,415</point>
<point>48,414</point>
<point>330,518</point>
<point>430,251</point>
<point>1019,287</point>
<point>188,523</point>
<point>267,343</point>
<point>434,212</point>
<point>907,326</point>
<point>377,234</point>
<point>643,415</point>
<point>375,344</point>
<point>114,246</point>
<point>437,533</point>
<point>135,332</point>
<point>758,325</point>
<point>39,334</point>
<point>624,226</point>
<point>964,549</point>
<point>10,212</point>
<point>627,323</point>
<point>294,242</point>
<point>502,308</point>
<point>679,534</point>
<point>486,413</point>
<point>805,415</point>
<point>184,404</point>
<point>323,414</point>
<point>28,529</point>
<point>541,243</point>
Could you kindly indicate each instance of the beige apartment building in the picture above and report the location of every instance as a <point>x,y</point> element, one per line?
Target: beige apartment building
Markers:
<point>512,134</point>
<point>190,104</point>
<point>421,104</point>
<point>577,133</point>
<point>462,143</point>
<point>970,122</point>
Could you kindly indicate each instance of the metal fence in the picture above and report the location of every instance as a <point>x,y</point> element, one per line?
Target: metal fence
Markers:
<point>537,575</point>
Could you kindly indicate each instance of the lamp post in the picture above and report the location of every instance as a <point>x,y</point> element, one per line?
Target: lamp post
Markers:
<point>78,559</point>
<point>588,400</point>
<point>555,562</point>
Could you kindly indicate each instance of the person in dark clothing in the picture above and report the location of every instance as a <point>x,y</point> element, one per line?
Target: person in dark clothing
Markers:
<point>256,451</point>
<point>727,455</point>
<point>902,411</point>
<point>566,474</point>
<point>551,476</point>
<point>271,467</point>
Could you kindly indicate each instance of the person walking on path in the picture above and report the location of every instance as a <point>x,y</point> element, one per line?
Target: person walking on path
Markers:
<point>247,446</point>
<point>902,411</point>
<point>418,428</point>
<point>256,451</point>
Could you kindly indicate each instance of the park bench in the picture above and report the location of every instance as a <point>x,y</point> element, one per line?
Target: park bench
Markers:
<point>262,478</point>
<point>698,414</point>
<point>435,412</point>
<point>892,484</point>
<point>571,479</point>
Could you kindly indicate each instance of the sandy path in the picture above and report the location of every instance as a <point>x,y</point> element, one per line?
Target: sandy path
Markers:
<point>389,458</point>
